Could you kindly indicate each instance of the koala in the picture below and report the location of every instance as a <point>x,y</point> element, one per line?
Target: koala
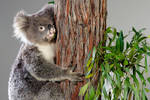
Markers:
<point>34,74</point>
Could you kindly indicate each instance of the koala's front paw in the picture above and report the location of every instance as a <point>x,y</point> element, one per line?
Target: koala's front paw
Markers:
<point>74,76</point>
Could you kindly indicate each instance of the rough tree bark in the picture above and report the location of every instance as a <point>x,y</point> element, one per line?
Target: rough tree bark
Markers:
<point>80,26</point>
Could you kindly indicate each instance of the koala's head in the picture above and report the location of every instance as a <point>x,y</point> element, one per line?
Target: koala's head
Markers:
<point>37,28</point>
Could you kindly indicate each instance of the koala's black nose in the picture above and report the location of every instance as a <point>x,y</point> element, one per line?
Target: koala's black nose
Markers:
<point>50,26</point>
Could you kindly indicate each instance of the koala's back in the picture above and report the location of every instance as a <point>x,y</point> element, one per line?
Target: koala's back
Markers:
<point>22,85</point>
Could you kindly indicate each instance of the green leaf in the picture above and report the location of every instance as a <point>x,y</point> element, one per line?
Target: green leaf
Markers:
<point>141,30</point>
<point>126,85</point>
<point>148,79</point>
<point>110,41</point>
<point>146,65</point>
<point>114,34</point>
<point>89,62</point>
<point>147,90</point>
<point>86,96</point>
<point>117,92</point>
<point>148,53</point>
<point>125,93</point>
<point>131,53</point>
<point>125,62</point>
<point>83,89</point>
<point>105,93</point>
<point>148,48</point>
<point>108,30</point>
<point>127,45</point>
<point>89,56</point>
<point>107,67</point>
<point>91,93</point>
<point>94,53</point>
<point>121,38</point>
<point>120,42</point>
<point>109,78</point>
<point>135,92</point>
<point>127,82</point>
<point>127,69</point>
<point>141,76</point>
<point>51,2</point>
<point>118,45</point>
<point>98,91</point>
<point>135,80</point>
<point>143,95</point>
<point>117,80</point>
<point>89,69</point>
<point>141,39</point>
<point>134,30</point>
<point>89,75</point>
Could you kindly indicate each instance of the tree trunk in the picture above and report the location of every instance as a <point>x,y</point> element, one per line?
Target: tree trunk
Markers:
<point>80,26</point>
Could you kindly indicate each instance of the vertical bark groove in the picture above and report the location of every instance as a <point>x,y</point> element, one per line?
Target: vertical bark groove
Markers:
<point>80,26</point>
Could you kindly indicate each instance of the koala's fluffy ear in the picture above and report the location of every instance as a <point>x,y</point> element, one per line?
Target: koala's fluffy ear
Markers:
<point>21,20</point>
<point>21,24</point>
<point>47,10</point>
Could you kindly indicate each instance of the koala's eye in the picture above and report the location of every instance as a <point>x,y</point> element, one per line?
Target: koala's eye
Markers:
<point>41,28</point>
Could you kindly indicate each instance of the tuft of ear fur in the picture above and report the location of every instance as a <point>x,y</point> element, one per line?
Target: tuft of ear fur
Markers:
<point>47,11</point>
<point>48,7</point>
<point>20,25</point>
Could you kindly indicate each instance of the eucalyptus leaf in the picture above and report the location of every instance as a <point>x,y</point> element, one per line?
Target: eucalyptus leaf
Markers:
<point>108,30</point>
<point>51,2</point>
<point>134,30</point>
<point>125,62</point>
<point>125,93</point>
<point>83,89</point>
<point>143,95</point>
<point>89,56</point>
<point>141,76</point>
<point>135,80</point>
<point>105,92</point>
<point>148,79</point>
<point>123,68</point>
<point>135,92</point>
<point>114,34</point>
<point>118,45</point>
<point>121,38</point>
<point>141,30</point>
<point>87,96</point>
<point>89,75</point>
<point>98,91</point>
<point>94,53</point>
<point>141,39</point>
<point>147,90</point>
<point>89,62</point>
<point>146,65</point>
<point>127,45</point>
<point>148,53</point>
<point>91,93</point>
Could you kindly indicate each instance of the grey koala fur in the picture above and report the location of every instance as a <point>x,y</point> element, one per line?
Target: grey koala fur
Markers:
<point>33,75</point>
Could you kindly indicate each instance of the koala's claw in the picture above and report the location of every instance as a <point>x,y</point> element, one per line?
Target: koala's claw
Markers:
<point>75,76</point>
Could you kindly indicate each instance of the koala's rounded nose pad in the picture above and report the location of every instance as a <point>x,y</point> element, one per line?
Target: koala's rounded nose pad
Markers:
<point>49,26</point>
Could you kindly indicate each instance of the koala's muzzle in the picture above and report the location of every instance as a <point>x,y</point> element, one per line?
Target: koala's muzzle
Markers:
<point>51,32</point>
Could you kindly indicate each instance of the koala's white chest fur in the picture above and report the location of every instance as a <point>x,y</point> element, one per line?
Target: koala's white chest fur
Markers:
<point>48,52</point>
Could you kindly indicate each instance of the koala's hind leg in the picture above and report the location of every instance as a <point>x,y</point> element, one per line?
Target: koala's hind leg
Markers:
<point>50,91</point>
